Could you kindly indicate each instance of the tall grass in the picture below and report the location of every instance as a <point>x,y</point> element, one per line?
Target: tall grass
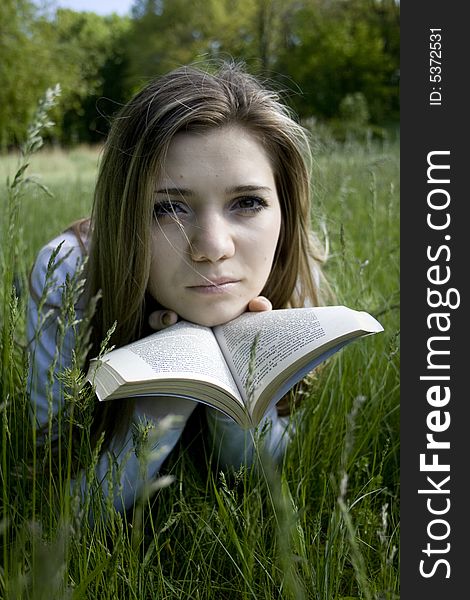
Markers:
<point>323,526</point>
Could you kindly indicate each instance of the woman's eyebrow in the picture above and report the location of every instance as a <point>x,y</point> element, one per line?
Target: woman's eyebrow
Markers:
<point>248,188</point>
<point>237,189</point>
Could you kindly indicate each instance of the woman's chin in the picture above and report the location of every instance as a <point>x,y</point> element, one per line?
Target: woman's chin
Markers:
<point>214,318</point>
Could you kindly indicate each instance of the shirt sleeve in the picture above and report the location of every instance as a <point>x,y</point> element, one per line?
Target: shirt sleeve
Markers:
<point>118,471</point>
<point>48,354</point>
<point>233,446</point>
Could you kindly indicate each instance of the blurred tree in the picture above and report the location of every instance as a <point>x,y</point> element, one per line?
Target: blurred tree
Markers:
<point>81,51</point>
<point>168,34</point>
<point>163,35</point>
<point>336,48</point>
<point>23,69</point>
<point>87,50</point>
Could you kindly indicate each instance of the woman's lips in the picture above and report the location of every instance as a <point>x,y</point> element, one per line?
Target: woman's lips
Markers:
<point>216,286</point>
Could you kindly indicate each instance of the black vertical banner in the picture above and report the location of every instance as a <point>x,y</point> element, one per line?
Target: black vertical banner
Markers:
<point>435,250</point>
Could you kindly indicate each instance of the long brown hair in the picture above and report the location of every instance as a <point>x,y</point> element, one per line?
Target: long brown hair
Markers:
<point>190,99</point>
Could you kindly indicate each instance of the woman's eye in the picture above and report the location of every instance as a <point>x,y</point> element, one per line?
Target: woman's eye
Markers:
<point>250,204</point>
<point>167,209</point>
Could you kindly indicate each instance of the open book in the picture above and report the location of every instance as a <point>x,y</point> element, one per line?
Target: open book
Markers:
<point>241,368</point>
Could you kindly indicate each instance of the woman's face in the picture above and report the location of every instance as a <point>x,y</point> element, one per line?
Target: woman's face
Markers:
<point>216,225</point>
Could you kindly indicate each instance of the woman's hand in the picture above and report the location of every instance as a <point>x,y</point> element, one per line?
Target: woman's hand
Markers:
<point>160,319</point>
<point>259,304</point>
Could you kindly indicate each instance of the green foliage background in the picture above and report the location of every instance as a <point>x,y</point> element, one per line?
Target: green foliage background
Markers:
<point>320,52</point>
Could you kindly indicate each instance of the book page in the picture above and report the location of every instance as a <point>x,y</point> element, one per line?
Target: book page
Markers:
<point>183,350</point>
<point>285,335</point>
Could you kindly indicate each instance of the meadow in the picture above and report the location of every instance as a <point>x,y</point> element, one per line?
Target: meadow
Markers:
<point>324,525</point>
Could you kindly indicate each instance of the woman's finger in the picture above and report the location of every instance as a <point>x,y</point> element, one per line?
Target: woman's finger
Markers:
<point>259,304</point>
<point>160,319</point>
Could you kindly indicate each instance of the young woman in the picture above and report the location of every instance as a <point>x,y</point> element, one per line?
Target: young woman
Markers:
<point>201,212</point>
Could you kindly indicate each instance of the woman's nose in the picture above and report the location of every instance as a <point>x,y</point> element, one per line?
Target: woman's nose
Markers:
<point>212,239</point>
